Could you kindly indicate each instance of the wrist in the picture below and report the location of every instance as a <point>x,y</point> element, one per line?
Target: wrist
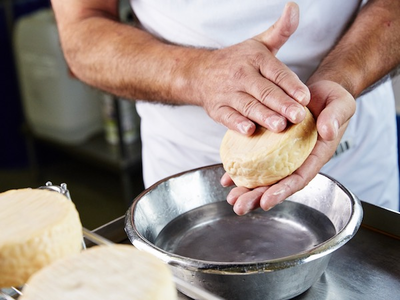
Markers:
<point>348,79</point>
<point>186,82</point>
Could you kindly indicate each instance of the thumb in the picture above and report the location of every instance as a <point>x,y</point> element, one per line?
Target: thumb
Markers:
<point>277,35</point>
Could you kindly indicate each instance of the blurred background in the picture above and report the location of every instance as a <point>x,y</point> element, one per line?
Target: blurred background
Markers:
<point>55,128</point>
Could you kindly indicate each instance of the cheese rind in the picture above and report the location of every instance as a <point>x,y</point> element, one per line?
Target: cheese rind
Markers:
<point>266,157</point>
<point>103,272</point>
<point>38,227</point>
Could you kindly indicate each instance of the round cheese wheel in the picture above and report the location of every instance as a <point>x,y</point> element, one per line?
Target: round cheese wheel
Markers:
<point>103,272</point>
<point>266,157</point>
<point>37,228</point>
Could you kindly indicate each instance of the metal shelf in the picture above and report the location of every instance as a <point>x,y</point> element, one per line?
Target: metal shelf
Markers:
<point>124,160</point>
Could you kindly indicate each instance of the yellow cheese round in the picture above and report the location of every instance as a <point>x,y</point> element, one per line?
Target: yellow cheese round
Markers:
<point>103,272</point>
<point>37,228</point>
<point>266,157</point>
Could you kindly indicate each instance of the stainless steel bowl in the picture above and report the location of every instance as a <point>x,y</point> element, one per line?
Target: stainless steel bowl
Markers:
<point>185,221</point>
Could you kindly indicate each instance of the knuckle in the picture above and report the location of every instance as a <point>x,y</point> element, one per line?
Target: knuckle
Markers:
<point>227,118</point>
<point>280,76</point>
<point>285,108</point>
<point>240,73</point>
<point>258,59</point>
<point>248,107</point>
<point>266,93</point>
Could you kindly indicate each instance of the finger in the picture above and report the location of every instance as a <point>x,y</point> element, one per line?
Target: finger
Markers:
<point>280,74</point>
<point>277,35</point>
<point>339,108</point>
<point>235,193</point>
<point>248,201</point>
<point>278,192</point>
<point>274,38</point>
<point>245,110</point>
<point>334,119</point>
<point>260,113</point>
<point>273,97</point>
<point>226,180</point>
<point>234,120</point>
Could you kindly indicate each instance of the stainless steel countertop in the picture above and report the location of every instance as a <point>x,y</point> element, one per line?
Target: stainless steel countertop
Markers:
<point>367,267</point>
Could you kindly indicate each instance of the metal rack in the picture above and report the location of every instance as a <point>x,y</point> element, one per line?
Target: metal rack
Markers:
<point>95,239</point>
<point>13,293</point>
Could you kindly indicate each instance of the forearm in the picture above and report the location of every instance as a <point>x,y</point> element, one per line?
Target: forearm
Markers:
<point>124,60</point>
<point>238,86</point>
<point>369,50</point>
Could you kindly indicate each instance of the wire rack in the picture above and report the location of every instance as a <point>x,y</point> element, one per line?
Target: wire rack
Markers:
<point>13,293</point>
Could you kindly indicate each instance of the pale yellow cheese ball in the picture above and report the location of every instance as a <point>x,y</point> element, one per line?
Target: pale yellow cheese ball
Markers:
<point>266,157</point>
<point>104,272</point>
<point>37,227</point>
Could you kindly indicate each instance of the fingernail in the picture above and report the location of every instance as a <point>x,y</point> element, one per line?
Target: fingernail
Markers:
<point>279,192</point>
<point>296,115</point>
<point>276,123</point>
<point>301,97</point>
<point>246,211</point>
<point>240,209</point>
<point>294,15</point>
<point>336,127</point>
<point>245,127</point>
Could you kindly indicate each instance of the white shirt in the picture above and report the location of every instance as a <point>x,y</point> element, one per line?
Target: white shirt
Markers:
<point>179,138</point>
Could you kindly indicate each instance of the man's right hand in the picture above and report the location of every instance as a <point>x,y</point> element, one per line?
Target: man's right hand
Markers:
<point>246,84</point>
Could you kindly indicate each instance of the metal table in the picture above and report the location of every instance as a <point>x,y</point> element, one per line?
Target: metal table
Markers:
<point>367,267</point>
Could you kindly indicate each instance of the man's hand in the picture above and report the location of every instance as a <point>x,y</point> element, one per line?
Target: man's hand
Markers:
<point>246,84</point>
<point>238,86</point>
<point>333,107</point>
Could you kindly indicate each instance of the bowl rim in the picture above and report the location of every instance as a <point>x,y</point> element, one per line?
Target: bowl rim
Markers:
<point>321,250</point>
